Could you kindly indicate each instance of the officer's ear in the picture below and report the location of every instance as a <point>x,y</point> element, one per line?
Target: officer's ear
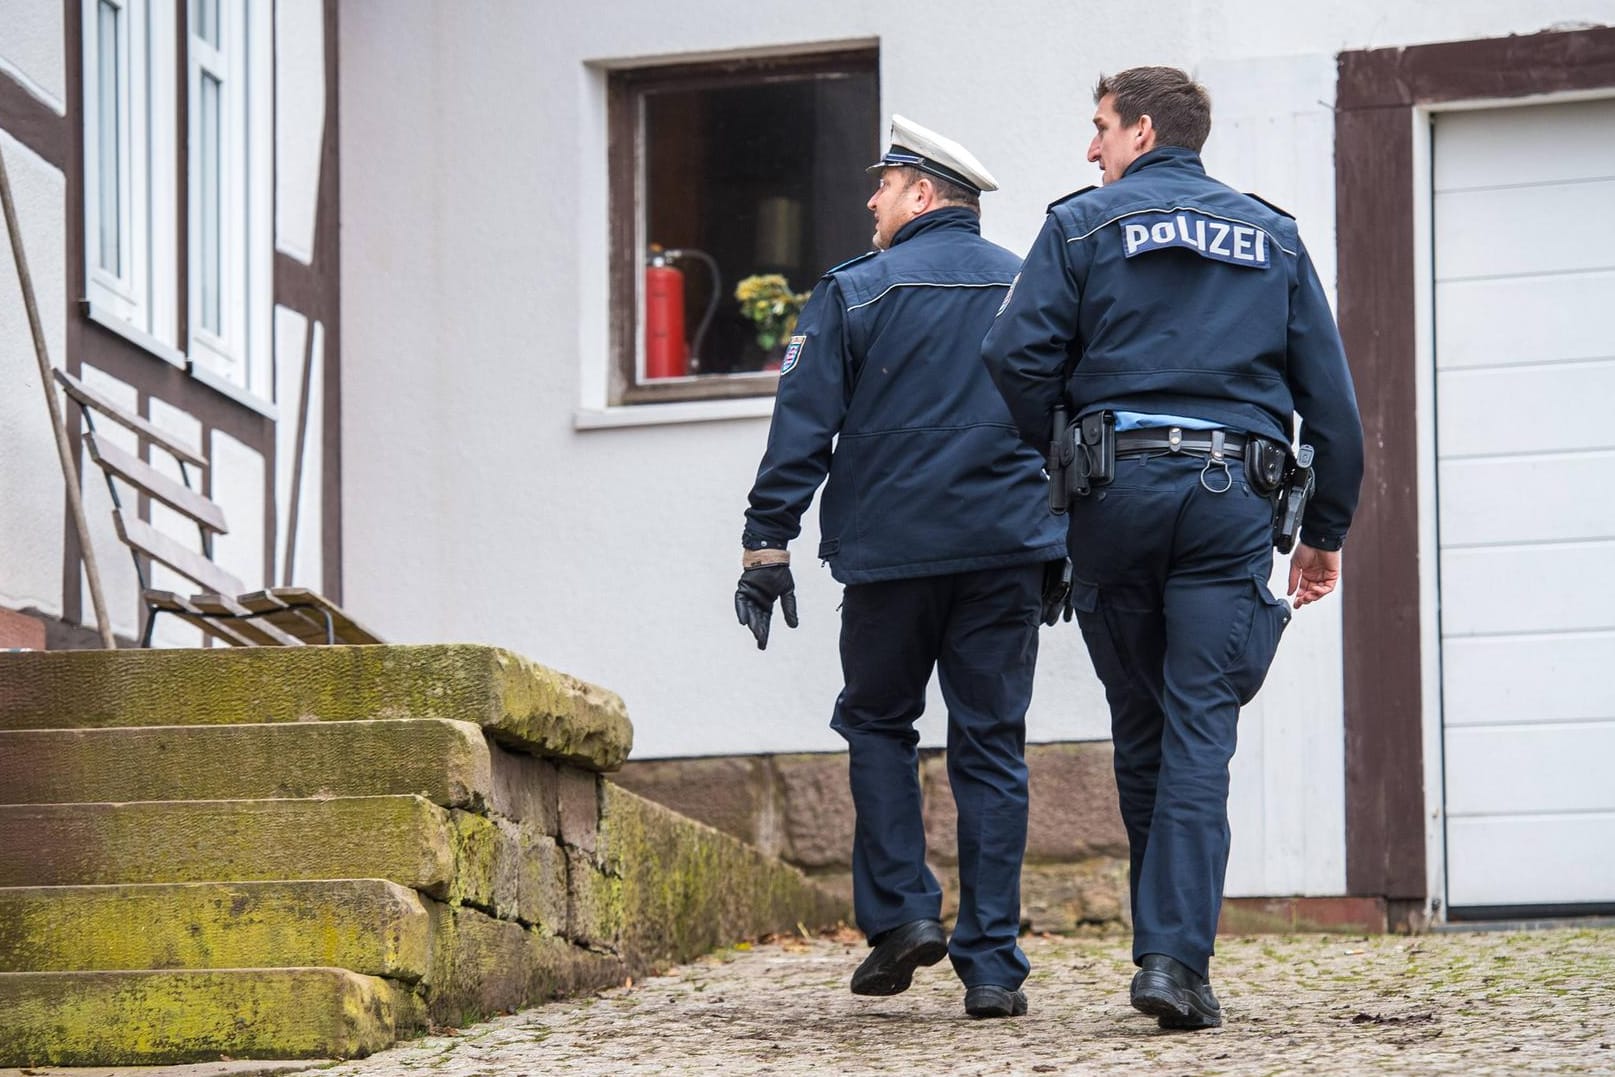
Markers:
<point>1144,134</point>
<point>924,193</point>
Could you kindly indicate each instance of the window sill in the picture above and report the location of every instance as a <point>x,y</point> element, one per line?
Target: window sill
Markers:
<point>174,357</point>
<point>687,411</point>
<point>138,337</point>
<point>235,392</point>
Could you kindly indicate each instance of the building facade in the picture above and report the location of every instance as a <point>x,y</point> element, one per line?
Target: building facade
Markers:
<point>444,382</point>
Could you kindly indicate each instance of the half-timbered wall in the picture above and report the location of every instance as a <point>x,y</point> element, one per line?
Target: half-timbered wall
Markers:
<point>272,439</point>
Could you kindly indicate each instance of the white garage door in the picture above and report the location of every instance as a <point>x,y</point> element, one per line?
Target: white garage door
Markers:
<point>1524,215</point>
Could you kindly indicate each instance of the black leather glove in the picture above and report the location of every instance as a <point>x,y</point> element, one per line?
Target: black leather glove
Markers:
<point>1056,591</point>
<point>754,599</point>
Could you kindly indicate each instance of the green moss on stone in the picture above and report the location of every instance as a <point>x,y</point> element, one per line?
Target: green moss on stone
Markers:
<point>447,762</point>
<point>521,702</point>
<point>687,888</point>
<point>154,1018</point>
<point>365,925</point>
<point>402,838</point>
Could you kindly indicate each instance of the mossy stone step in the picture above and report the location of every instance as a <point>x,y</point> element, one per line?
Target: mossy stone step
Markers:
<point>446,762</point>
<point>448,854</point>
<point>368,926</point>
<point>159,1018</point>
<point>518,702</point>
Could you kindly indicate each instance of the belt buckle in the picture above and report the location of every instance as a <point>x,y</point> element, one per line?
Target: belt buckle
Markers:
<point>1174,439</point>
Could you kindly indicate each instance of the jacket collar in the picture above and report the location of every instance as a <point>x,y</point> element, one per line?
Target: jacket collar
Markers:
<point>1167,157</point>
<point>945,217</point>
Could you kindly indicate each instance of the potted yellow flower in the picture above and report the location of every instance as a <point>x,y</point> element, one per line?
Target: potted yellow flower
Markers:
<point>767,299</point>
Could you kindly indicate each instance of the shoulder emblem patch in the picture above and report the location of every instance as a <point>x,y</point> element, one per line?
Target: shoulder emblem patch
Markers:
<point>1220,240</point>
<point>1008,295</point>
<point>793,352</point>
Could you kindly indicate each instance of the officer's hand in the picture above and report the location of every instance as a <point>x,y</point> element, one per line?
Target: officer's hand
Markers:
<point>754,598</point>
<point>1313,573</point>
<point>1056,590</point>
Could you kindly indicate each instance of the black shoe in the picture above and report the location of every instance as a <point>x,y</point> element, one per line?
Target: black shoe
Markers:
<point>889,968</point>
<point>990,1000</point>
<point>1170,990</point>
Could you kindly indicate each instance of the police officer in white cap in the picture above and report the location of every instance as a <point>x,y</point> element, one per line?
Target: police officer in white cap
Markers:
<point>935,516</point>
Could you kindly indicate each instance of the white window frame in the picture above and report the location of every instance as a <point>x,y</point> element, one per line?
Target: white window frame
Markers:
<point>138,294</point>
<point>141,300</point>
<point>121,289</point>
<point>235,351</point>
<point>124,281</point>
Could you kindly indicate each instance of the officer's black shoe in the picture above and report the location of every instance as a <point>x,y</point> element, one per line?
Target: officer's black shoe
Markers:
<point>990,1000</point>
<point>1170,990</point>
<point>889,968</point>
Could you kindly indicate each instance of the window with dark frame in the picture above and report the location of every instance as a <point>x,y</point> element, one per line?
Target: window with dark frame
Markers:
<point>722,172</point>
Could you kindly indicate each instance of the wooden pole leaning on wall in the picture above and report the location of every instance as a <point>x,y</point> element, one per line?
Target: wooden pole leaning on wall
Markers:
<point>64,447</point>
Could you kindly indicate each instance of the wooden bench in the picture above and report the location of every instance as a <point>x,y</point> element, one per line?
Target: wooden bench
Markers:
<point>276,617</point>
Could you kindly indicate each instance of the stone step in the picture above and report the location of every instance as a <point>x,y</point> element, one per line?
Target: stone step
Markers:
<point>451,855</point>
<point>160,1018</point>
<point>446,762</point>
<point>368,926</point>
<point>519,702</point>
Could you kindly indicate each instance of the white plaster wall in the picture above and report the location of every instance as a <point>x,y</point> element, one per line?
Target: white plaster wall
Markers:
<point>120,586</point>
<point>299,123</point>
<point>475,326</point>
<point>32,501</point>
<point>238,487</point>
<point>187,429</point>
<point>293,351</point>
<point>31,48</point>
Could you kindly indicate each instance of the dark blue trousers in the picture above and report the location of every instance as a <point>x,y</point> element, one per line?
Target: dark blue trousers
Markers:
<point>1171,593</point>
<point>979,630</point>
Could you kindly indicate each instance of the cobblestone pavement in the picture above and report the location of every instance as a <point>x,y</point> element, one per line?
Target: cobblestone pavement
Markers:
<point>1460,1003</point>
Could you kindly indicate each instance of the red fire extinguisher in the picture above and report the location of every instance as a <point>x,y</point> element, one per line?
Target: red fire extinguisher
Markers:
<point>667,353</point>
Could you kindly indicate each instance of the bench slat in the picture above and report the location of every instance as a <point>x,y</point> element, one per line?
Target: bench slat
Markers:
<point>169,602</point>
<point>140,535</point>
<point>296,610</point>
<point>89,398</point>
<point>244,620</point>
<point>148,479</point>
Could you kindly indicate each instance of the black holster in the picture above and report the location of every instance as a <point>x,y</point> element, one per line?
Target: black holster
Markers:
<point>1095,456</point>
<point>1061,451</point>
<point>1266,463</point>
<point>1290,500</point>
<point>1082,455</point>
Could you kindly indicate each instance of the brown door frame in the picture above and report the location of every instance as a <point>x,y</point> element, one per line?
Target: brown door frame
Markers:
<point>1377,93</point>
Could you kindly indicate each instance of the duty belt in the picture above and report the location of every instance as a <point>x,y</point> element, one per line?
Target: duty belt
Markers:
<point>1217,444</point>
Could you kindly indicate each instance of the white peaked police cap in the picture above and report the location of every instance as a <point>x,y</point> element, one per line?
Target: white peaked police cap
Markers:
<point>919,147</point>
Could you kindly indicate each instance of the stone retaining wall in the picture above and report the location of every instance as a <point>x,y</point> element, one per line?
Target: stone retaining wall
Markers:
<point>308,852</point>
<point>799,808</point>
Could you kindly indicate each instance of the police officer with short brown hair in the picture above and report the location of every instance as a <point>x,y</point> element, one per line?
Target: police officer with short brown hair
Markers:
<point>1182,324</point>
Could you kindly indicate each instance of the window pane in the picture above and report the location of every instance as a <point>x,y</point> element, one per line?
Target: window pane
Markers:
<point>209,242</point>
<point>207,21</point>
<point>759,173</point>
<point>109,165</point>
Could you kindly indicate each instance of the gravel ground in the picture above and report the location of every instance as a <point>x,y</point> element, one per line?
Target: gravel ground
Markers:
<point>1472,1003</point>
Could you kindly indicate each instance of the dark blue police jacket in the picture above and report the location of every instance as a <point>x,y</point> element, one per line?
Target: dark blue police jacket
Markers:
<point>927,475</point>
<point>1170,293</point>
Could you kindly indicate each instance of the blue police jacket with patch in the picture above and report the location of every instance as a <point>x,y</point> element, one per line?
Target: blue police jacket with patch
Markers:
<point>1170,293</point>
<point>883,391</point>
